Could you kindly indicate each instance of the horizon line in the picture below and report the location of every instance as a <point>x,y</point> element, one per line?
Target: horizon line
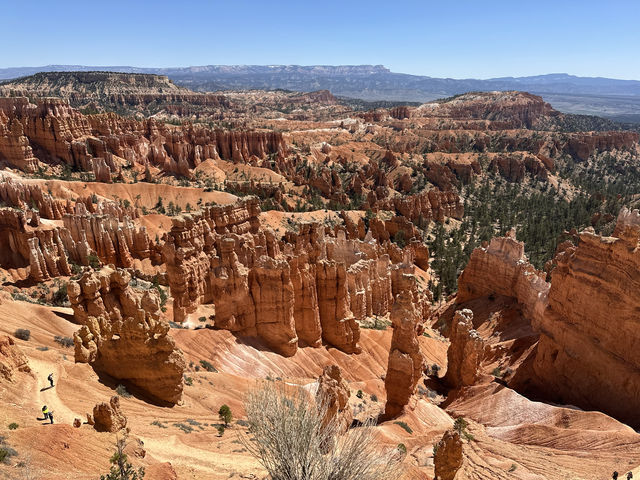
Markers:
<point>311,65</point>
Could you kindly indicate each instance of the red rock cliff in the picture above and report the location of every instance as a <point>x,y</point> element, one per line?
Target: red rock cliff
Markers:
<point>589,334</point>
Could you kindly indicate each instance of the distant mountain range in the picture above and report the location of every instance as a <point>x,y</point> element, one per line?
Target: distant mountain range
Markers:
<point>615,99</point>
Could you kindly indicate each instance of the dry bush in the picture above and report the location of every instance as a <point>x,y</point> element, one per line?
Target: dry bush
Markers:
<point>289,438</point>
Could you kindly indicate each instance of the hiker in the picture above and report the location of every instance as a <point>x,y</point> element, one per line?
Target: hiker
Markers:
<point>629,476</point>
<point>615,475</point>
<point>47,414</point>
<point>50,378</point>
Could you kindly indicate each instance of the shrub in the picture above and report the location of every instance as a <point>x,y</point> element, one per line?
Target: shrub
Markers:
<point>42,349</point>
<point>13,426</point>
<point>202,319</point>
<point>60,298</point>
<point>22,334</point>
<point>497,372</point>
<point>6,452</point>
<point>66,342</point>
<point>208,366</point>
<point>374,397</point>
<point>122,391</point>
<point>158,423</point>
<point>188,380</point>
<point>94,261</point>
<point>402,448</point>
<point>121,469</point>
<point>290,438</point>
<point>359,394</point>
<point>225,414</point>
<point>185,428</point>
<point>221,429</point>
<point>404,426</point>
<point>460,425</point>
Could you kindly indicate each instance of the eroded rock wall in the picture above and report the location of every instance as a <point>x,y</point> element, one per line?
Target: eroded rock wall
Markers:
<point>308,288</point>
<point>124,334</point>
<point>590,331</point>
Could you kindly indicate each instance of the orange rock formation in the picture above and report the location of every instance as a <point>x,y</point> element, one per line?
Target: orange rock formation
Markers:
<point>465,352</point>
<point>107,417</point>
<point>124,335</point>
<point>11,359</point>
<point>406,362</point>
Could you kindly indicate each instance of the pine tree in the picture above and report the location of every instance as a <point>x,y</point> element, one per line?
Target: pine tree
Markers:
<point>121,469</point>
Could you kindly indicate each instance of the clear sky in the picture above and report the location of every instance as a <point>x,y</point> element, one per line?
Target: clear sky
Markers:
<point>449,38</point>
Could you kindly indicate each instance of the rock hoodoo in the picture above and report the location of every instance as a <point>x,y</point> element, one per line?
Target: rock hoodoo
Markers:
<point>406,362</point>
<point>108,417</point>
<point>309,287</point>
<point>448,457</point>
<point>124,334</point>
<point>465,352</point>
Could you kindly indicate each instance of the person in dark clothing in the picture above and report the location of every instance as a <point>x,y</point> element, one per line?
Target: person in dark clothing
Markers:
<point>51,417</point>
<point>50,378</point>
<point>615,476</point>
<point>629,476</point>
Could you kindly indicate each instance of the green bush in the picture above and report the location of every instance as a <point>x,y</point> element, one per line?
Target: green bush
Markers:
<point>122,391</point>
<point>225,414</point>
<point>404,426</point>
<point>94,261</point>
<point>60,298</point>
<point>402,448</point>
<point>184,427</point>
<point>359,394</point>
<point>13,426</point>
<point>221,429</point>
<point>66,342</point>
<point>208,366</point>
<point>188,380</point>
<point>460,425</point>
<point>22,334</point>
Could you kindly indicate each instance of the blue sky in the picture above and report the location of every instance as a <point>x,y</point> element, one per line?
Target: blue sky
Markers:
<point>458,39</point>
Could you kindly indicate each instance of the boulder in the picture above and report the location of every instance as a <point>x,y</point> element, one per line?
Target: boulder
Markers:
<point>107,417</point>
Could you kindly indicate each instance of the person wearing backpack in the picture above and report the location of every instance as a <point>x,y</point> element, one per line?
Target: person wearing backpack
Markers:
<point>50,378</point>
<point>47,414</point>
